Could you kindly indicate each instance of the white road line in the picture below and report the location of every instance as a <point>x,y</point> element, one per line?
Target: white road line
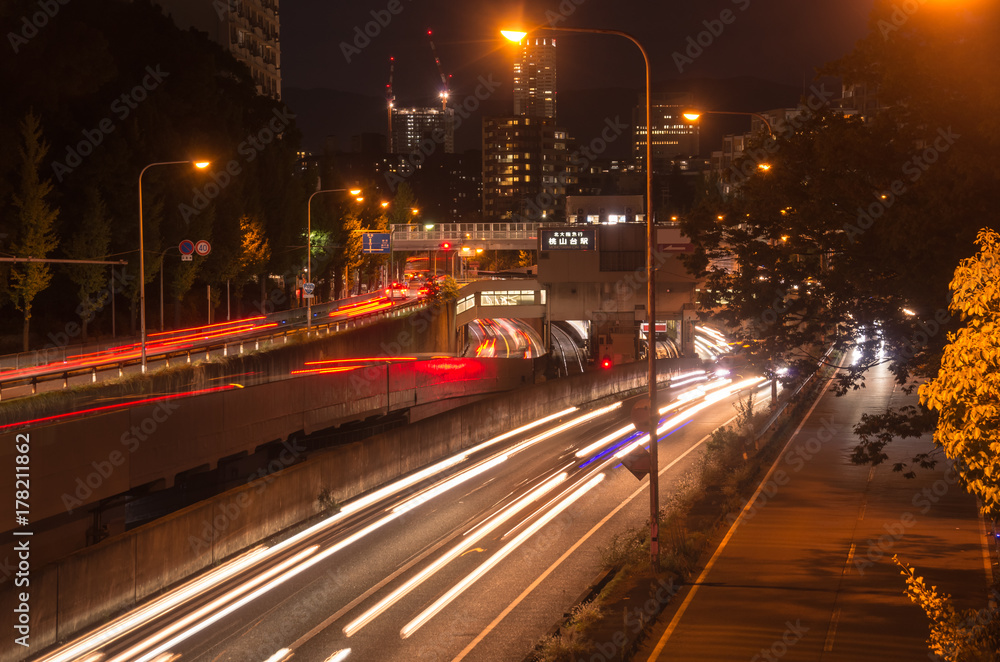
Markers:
<point>643,489</point>
<point>984,536</point>
<point>729,534</point>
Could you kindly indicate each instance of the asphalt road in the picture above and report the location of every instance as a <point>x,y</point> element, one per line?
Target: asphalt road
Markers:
<point>807,574</point>
<point>336,575</point>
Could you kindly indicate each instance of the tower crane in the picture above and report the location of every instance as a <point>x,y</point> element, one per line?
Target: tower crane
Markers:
<point>390,98</point>
<point>445,80</point>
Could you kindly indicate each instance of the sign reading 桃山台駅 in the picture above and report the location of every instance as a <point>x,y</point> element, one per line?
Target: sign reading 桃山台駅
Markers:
<point>569,240</point>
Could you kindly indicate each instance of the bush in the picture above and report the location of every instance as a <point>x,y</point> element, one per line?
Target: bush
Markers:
<point>327,501</point>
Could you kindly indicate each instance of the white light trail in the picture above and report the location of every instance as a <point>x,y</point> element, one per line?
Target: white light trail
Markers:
<point>204,610</point>
<point>474,576</point>
<point>160,606</point>
<point>517,431</point>
<point>456,551</point>
<point>439,489</point>
<point>126,623</point>
<point>339,656</point>
<point>279,656</point>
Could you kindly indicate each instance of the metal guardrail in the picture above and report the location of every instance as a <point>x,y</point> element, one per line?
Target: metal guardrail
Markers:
<point>780,410</point>
<point>296,327</point>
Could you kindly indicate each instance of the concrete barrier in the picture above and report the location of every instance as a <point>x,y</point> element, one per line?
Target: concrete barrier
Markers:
<point>121,571</point>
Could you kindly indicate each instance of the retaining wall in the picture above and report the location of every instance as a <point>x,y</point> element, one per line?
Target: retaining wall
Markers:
<point>89,586</point>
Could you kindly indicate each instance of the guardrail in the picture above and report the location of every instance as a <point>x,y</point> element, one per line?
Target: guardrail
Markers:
<point>293,325</point>
<point>787,401</point>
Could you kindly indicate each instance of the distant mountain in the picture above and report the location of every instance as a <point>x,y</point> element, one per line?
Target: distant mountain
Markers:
<point>326,112</point>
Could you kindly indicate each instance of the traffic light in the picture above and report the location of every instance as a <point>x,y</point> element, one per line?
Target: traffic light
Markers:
<point>606,362</point>
<point>445,246</point>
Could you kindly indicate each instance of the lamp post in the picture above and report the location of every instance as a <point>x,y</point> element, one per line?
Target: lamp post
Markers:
<point>201,165</point>
<point>695,115</point>
<point>654,416</point>
<point>352,191</point>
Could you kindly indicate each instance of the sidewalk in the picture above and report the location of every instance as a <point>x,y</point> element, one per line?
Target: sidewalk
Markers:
<point>808,574</point>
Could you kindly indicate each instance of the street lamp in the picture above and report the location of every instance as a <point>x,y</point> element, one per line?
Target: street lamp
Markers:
<point>654,416</point>
<point>352,191</point>
<point>201,165</point>
<point>695,115</point>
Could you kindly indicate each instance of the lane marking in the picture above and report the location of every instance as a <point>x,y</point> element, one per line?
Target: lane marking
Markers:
<point>832,632</point>
<point>985,537</point>
<point>729,534</point>
<point>643,489</point>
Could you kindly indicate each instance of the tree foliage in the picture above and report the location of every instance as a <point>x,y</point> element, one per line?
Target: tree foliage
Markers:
<point>35,220</point>
<point>852,234</point>
<point>968,635</point>
<point>966,391</point>
<point>119,89</point>
<point>90,241</point>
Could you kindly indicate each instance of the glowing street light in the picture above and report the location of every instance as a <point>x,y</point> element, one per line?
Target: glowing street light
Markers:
<point>695,115</point>
<point>352,191</point>
<point>654,478</point>
<point>201,165</point>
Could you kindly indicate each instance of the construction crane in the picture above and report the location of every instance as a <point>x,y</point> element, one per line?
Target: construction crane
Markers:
<point>390,98</point>
<point>445,80</point>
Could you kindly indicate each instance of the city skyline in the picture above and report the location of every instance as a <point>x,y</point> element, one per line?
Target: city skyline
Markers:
<point>343,53</point>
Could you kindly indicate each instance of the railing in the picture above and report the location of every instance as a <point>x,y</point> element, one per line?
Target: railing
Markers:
<point>293,326</point>
<point>463,231</point>
<point>784,405</point>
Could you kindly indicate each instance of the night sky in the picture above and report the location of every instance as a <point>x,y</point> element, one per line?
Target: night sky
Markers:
<point>782,41</point>
<point>779,40</point>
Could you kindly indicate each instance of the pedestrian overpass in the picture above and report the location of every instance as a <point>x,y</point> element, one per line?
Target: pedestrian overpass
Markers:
<point>488,236</point>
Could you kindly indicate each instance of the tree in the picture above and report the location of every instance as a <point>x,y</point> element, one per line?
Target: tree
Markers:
<point>402,206</point>
<point>852,234</point>
<point>966,391</point>
<point>35,219</point>
<point>967,635</point>
<point>255,252</point>
<point>90,242</point>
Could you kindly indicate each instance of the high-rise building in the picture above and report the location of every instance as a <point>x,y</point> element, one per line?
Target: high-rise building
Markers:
<point>249,29</point>
<point>673,136</point>
<point>535,78</point>
<point>413,126</point>
<point>526,169</point>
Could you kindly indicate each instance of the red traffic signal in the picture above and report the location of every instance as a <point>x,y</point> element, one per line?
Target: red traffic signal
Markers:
<point>606,363</point>
<point>445,246</point>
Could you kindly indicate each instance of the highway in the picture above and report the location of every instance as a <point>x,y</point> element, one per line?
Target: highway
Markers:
<point>434,566</point>
<point>196,340</point>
